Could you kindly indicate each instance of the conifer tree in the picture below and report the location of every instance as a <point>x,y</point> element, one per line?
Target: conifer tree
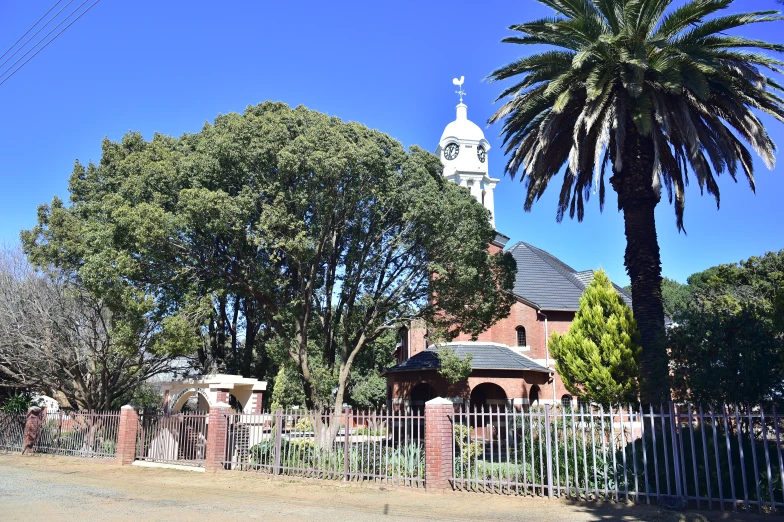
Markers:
<point>599,358</point>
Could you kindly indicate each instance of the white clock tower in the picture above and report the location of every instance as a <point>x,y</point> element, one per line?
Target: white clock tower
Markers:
<point>463,151</point>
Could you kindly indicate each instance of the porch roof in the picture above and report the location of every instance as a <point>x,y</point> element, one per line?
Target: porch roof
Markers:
<point>485,356</point>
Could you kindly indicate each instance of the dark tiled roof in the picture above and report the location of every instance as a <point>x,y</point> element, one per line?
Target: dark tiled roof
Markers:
<point>586,276</point>
<point>484,356</point>
<point>548,282</point>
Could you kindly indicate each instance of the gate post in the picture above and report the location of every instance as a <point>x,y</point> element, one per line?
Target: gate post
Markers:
<point>548,450</point>
<point>439,443</point>
<point>276,470</point>
<point>346,474</point>
<point>217,436</point>
<point>676,456</point>
<point>126,435</point>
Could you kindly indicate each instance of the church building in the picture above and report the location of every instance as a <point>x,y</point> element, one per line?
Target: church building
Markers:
<point>511,362</point>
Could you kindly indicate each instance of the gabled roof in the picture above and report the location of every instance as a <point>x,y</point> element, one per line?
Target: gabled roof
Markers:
<point>485,356</point>
<point>548,282</point>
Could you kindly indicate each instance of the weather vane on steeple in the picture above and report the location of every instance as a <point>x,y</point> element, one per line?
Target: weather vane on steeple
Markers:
<point>459,83</point>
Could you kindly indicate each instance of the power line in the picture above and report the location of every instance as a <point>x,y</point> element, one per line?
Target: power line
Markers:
<point>36,34</point>
<point>50,41</point>
<point>31,49</point>
<point>31,28</point>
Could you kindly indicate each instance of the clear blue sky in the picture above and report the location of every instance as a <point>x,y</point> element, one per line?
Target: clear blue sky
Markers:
<point>169,66</point>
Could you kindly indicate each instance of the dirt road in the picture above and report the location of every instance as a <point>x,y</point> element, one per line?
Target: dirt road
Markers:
<point>62,488</point>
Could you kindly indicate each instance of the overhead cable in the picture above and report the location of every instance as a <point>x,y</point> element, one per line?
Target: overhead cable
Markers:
<point>47,43</point>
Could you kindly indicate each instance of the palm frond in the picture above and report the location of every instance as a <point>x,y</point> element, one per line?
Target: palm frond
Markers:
<point>687,15</point>
<point>638,73</point>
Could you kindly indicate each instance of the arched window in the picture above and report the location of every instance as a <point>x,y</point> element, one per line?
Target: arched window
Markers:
<point>566,402</point>
<point>521,341</point>
<point>583,405</point>
<point>533,396</point>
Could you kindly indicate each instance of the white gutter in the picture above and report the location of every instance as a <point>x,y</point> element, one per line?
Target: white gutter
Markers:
<point>547,351</point>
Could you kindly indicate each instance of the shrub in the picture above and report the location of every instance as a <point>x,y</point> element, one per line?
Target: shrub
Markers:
<point>18,403</point>
<point>599,357</point>
<point>304,424</point>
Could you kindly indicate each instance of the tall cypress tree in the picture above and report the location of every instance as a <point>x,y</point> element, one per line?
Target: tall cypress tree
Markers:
<point>599,359</point>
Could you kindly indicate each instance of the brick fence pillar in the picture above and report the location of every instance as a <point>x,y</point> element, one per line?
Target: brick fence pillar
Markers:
<point>256,401</point>
<point>126,436</point>
<point>438,443</point>
<point>217,436</point>
<point>221,395</point>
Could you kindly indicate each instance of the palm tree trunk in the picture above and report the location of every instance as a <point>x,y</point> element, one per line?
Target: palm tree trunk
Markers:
<point>638,199</point>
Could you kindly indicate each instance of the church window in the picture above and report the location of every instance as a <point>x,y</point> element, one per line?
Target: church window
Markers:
<point>521,340</point>
<point>566,402</point>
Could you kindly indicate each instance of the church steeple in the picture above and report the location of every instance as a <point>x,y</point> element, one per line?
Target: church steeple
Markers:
<point>463,152</point>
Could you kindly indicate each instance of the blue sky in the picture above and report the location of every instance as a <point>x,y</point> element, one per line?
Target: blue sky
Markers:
<point>154,66</point>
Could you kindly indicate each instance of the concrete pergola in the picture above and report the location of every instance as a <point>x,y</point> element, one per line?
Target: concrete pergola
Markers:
<point>214,389</point>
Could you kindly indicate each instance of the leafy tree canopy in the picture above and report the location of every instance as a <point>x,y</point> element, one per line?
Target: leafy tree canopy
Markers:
<point>729,346</point>
<point>333,232</point>
<point>598,359</point>
<point>453,367</point>
<point>287,391</point>
<point>675,297</point>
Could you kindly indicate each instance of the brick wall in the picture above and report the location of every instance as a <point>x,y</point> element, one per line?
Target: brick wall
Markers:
<point>217,435</point>
<point>126,436</point>
<point>256,402</point>
<point>503,332</point>
<point>438,444</point>
<point>521,314</point>
<point>416,338</point>
<point>516,384</point>
<point>222,396</point>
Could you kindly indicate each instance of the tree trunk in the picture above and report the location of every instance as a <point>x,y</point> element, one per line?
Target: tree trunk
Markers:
<point>638,199</point>
<point>251,331</point>
<point>220,326</point>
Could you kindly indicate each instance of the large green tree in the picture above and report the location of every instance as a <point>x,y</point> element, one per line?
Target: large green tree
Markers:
<point>675,297</point>
<point>652,90</point>
<point>598,359</point>
<point>332,231</point>
<point>729,346</point>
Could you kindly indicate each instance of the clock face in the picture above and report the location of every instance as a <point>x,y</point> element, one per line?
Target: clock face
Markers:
<point>481,154</point>
<point>451,151</point>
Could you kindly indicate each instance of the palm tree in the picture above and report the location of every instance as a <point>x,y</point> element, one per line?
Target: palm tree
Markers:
<point>656,92</point>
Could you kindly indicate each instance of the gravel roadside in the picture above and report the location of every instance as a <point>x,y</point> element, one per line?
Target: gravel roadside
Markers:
<point>56,488</point>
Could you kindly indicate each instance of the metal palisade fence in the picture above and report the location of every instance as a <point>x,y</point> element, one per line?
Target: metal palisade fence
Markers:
<point>176,438</point>
<point>384,447</point>
<point>711,458</point>
<point>79,433</point>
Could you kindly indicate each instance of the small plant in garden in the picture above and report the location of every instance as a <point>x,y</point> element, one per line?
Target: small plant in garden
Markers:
<point>372,431</point>
<point>304,424</point>
<point>18,403</point>
<point>468,449</point>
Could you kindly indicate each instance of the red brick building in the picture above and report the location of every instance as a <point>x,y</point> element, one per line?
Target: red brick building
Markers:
<point>511,360</point>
